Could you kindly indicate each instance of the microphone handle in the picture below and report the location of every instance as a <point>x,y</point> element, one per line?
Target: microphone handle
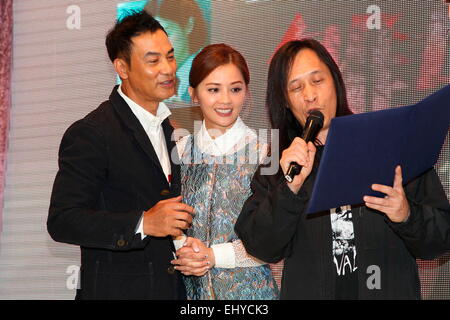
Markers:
<point>294,168</point>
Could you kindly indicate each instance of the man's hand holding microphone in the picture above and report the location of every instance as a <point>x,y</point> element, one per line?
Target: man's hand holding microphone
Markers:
<point>297,160</point>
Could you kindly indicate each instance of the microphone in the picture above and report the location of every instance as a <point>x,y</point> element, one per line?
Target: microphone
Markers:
<point>314,123</point>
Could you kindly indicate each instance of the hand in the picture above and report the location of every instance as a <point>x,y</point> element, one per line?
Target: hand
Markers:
<point>303,153</point>
<point>394,204</point>
<point>194,258</point>
<point>168,218</point>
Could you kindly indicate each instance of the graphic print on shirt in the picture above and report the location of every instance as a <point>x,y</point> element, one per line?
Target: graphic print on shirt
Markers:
<point>344,249</point>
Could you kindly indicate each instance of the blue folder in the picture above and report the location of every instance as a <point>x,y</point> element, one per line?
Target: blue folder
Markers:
<point>364,149</point>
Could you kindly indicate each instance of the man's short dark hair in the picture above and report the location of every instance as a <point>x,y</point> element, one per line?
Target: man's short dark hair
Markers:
<point>119,39</point>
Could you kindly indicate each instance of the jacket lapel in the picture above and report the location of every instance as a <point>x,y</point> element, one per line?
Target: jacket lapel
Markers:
<point>132,123</point>
<point>174,160</point>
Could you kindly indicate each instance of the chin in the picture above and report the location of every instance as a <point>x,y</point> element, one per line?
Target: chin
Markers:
<point>166,96</point>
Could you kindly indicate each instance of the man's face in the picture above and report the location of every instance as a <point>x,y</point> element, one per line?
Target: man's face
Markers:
<point>311,87</point>
<point>151,72</point>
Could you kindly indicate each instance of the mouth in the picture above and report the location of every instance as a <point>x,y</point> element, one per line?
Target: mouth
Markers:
<point>308,112</point>
<point>168,83</point>
<point>224,112</point>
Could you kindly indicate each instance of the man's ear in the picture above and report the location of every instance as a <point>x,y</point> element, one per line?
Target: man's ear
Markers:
<point>121,67</point>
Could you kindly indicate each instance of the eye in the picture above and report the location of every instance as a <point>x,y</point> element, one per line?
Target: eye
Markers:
<point>213,90</point>
<point>236,90</point>
<point>171,58</point>
<point>152,61</point>
<point>317,81</point>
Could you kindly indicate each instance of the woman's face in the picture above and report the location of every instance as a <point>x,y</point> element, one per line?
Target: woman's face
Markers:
<point>311,87</point>
<point>221,96</point>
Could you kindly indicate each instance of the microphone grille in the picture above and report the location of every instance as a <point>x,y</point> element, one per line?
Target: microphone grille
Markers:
<point>316,114</point>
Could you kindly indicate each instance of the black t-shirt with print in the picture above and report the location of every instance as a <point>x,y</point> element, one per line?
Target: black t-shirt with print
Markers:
<point>344,253</point>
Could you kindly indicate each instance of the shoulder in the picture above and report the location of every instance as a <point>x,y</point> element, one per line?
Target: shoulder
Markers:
<point>101,116</point>
<point>93,125</point>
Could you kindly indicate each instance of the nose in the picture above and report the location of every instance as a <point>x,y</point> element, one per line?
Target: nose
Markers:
<point>225,97</point>
<point>168,67</point>
<point>309,93</point>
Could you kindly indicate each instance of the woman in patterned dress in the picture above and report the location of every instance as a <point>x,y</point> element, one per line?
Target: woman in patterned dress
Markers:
<point>217,165</point>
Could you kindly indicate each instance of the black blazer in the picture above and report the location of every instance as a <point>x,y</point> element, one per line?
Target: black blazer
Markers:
<point>108,175</point>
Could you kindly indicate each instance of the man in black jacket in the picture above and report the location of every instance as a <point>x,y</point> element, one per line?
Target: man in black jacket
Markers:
<point>365,251</point>
<point>116,193</point>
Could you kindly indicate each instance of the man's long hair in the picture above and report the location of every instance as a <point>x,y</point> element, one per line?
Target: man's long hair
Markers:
<point>281,116</point>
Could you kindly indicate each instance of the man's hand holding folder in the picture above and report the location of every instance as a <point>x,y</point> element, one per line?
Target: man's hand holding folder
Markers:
<point>394,204</point>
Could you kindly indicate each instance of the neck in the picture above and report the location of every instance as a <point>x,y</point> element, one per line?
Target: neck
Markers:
<point>149,105</point>
<point>322,136</point>
<point>215,131</point>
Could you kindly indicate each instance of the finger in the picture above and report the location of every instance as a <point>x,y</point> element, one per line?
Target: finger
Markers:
<point>188,268</point>
<point>376,201</point>
<point>174,199</point>
<point>197,273</point>
<point>191,263</point>
<point>193,245</point>
<point>294,154</point>
<point>380,208</point>
<point>295,157</point>
<point>183,216</point>
<point>298,145</point>
<point>194,272</point>
<point>181,224</point>
<point>183,251</point>
<point>196,247</point>
<point>311,152</point>
<point>383,189</point>
<point>298,142</point>
<point>188,242</point>
<point>398,179</point>
<point>175,232</point>
<point>192,256</point>
<point>311,147</point>
<point>182,207</point>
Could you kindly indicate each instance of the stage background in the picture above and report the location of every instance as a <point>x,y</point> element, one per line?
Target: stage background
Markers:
<point>61,72</point>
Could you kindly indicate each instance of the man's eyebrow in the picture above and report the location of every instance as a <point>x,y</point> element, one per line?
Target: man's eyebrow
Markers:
<point>152,53</point>
<point>304,75</point>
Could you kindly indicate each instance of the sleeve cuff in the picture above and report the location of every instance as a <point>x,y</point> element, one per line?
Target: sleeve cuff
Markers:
<point>224,255</point>
<point>294,200</point>
<point>409,224</point>
<point>140,227</point>
<point>179,241</point>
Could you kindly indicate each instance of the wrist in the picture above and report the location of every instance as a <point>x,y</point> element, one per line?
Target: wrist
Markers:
<point>147,225</point>
<point>295,186</point>
<point>211,257</point>
<point>407,216</point>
